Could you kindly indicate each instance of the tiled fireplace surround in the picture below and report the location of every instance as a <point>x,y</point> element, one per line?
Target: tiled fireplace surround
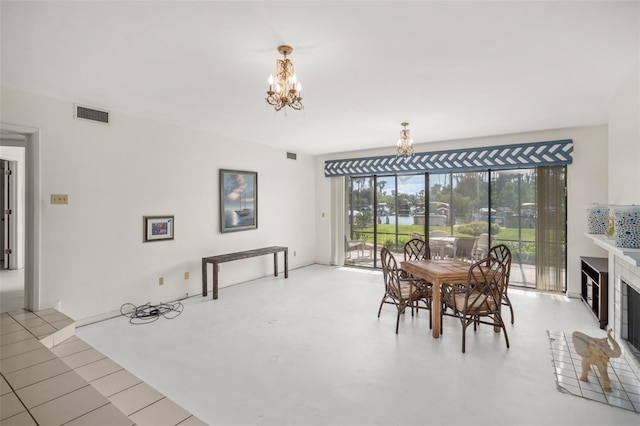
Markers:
<point>625,264</point>
<point>624,272</point>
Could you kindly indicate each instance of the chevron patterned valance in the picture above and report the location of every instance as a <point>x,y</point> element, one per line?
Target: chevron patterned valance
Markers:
<point>457,160</point>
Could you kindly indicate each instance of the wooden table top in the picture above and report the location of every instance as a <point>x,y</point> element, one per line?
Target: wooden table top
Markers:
<point>227,257</point>
<point>438,271</point>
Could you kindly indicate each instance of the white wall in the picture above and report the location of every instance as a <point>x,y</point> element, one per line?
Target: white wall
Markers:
<point>586,182</point>
<point>624,142</point>
<point>92,256</point>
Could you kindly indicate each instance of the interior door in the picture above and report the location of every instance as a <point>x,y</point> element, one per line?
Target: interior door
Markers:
<point>5,207</point>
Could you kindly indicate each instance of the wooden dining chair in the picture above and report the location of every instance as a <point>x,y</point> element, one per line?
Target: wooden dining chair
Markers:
<point>401,292</point>
<point>416,249</point>
<point>503,254</point>
<point>479,300</point>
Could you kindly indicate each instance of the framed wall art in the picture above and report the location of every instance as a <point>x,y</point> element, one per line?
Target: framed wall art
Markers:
<point>238,200</point>
<point>157,228</point>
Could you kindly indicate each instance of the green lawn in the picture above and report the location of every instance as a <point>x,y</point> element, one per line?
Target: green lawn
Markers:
<point>386,232</point>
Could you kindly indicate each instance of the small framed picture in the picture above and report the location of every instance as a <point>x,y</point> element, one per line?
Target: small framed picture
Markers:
<point>157,228</point>
<point>238,200</point>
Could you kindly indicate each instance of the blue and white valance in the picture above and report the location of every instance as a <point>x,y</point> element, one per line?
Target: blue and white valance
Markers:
<point>457,160</point>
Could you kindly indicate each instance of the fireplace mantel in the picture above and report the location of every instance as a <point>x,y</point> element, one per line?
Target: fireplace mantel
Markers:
<point>631,255</point>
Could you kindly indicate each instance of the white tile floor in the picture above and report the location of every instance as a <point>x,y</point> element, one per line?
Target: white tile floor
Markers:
<point>309,350</point>
<point>47,378</point>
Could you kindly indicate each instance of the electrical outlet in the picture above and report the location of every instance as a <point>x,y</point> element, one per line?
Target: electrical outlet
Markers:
<point>294,253</point>
<point>186,275</point>
<point>59,199</point>
<point>161,281</point>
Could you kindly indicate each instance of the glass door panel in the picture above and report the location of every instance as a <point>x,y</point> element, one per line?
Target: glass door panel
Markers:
<point>386,214</point>
<point>470,229</point>
<point>410,218</point>
<point>359,228</point>
<point>399,214</point>
<point>513,210</point>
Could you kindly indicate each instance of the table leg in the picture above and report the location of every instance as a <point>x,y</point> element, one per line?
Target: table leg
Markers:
<point>215,280</point>
<point>204,278</point>
<point>275,264</point>
<point>435,311</point>
<point>286,263</point>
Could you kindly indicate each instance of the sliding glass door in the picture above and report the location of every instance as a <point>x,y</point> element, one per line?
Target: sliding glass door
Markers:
<point>524,209</point>
<point>359,229</point>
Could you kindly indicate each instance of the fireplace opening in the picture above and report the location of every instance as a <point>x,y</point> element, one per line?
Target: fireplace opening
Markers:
<point>633,317</point>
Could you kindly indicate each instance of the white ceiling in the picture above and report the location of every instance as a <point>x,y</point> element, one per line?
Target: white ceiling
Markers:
<point>451,69</point>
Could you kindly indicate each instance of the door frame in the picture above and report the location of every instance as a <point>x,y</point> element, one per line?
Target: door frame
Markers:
<point>32,210</point>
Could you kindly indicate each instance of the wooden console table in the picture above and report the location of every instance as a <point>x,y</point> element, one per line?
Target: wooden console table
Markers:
<point>215,260</point>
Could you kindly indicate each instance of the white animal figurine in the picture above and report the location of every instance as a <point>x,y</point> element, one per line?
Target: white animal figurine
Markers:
<point>596,352</point>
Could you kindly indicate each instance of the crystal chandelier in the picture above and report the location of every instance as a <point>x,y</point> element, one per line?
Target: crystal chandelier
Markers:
<point>284,90</point>
<point>405,143</point>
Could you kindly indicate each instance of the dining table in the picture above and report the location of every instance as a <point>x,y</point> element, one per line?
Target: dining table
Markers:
<point>437,272</point>
<point>439,244</point>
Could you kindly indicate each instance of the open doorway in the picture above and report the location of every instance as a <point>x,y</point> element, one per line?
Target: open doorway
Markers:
<point>13,225</point>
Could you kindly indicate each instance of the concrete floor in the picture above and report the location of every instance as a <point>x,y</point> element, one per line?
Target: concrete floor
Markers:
<point>309,350</point>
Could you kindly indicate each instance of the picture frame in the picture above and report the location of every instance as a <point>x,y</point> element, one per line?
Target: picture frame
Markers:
<point>238,200</point>
<point>157,228</point>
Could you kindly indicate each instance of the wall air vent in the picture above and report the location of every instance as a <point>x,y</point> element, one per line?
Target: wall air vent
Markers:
<point>292,155</point>
<point>92,114</point>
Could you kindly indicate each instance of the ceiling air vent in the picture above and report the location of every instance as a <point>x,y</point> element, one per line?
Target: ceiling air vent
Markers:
<point>292,155</point>
<point>91,114</point>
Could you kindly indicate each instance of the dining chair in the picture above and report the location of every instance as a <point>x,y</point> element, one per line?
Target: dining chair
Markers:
<point>353,245</point>
<point>463,248</point>
<point>416,235</point>
<point>416,249</point>
<point>401,292</point>
<point>438,247</point>
<point>478,301</point>
<point>503,254</point>
<point>482,247</point>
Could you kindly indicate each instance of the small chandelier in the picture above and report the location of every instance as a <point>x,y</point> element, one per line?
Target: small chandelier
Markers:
<point>284,90</point>
<point>405,143</point>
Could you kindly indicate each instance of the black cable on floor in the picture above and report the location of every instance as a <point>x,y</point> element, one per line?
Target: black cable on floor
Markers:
<point>146,313</point>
